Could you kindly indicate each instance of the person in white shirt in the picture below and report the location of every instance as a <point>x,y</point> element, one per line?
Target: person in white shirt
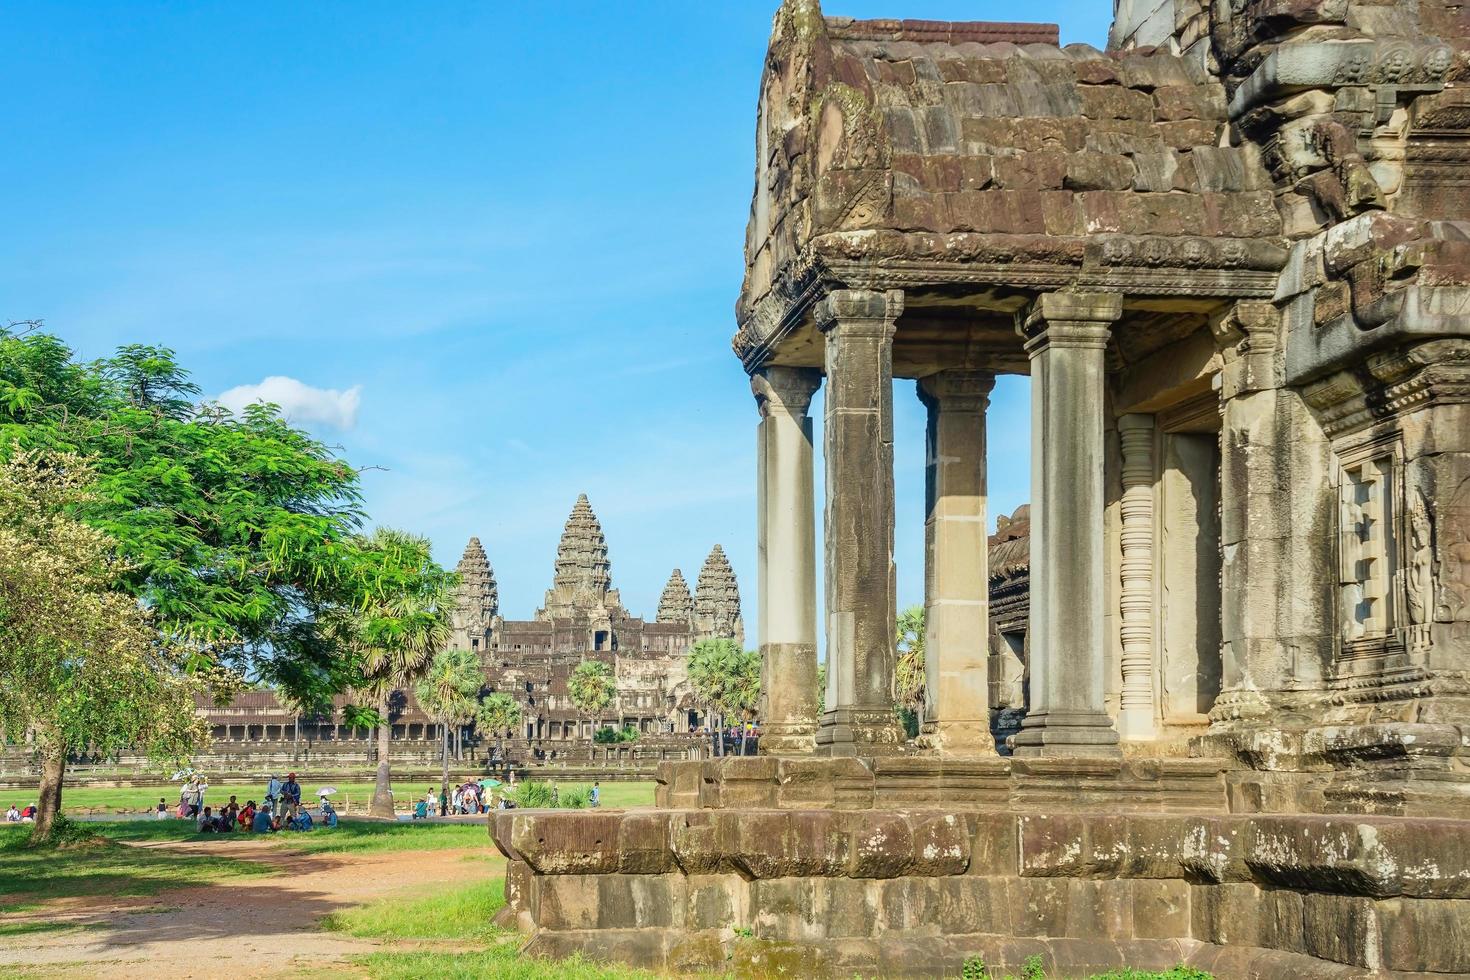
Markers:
<point>12,815</point>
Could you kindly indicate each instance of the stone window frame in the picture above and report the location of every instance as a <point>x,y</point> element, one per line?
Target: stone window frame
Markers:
<point>1368,652</point>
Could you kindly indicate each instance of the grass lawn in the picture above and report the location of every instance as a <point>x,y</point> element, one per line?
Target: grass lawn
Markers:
<point>29,877</point>
<point>349,836</point>
<point>419,930</point>
<point>357,793</point>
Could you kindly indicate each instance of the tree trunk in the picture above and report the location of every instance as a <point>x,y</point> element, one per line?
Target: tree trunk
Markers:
<point>444,746</point>
<point>382,805</point>
<point>296,739</point>
<point>719,730</point>
<point>743,729</point>
<point>48,806</point>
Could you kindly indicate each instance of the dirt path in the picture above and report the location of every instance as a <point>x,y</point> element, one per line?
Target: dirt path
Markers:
<point>237,928</point>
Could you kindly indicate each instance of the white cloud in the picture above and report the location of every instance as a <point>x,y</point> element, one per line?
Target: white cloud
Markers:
<point>301,403</point>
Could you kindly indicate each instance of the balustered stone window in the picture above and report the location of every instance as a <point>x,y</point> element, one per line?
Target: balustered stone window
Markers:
<point>1368,549</point>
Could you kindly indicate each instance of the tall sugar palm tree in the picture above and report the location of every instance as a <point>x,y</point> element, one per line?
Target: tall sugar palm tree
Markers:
<point>591,688</point>
<point>498,713</point>
<point>714,666</point>
<point>448,692</point>
<point>401,620</point>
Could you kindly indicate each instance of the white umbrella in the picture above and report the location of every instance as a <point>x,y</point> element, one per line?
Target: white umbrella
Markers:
<point>182,774</point>
<point>326,791</point>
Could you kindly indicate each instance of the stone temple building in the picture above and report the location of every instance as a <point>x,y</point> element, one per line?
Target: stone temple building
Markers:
<point>581,617</point>
<point>1232,253</point>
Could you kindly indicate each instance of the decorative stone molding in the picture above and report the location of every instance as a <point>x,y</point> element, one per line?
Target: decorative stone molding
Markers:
<point>860,311</point>
<point>788,390</point>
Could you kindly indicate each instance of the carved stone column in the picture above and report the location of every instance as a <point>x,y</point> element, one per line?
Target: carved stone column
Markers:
<point>1066,335</point>
<point>1136,597</point>
<point>858,441</point>
<point>956,573</point>
<point>787,559</point>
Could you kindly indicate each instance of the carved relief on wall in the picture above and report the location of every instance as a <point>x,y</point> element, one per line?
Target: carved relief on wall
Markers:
<point>1419,571</point>
<point>1453,527</point>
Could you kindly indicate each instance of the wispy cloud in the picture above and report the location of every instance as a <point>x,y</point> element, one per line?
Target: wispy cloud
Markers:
<point>300,402</point>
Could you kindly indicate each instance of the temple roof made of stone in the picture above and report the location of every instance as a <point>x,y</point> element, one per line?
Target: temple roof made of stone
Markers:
<point>1010,546</point>
<point>885,146</point>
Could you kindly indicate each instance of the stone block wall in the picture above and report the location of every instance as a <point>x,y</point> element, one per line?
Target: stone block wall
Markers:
<point>918,892</point>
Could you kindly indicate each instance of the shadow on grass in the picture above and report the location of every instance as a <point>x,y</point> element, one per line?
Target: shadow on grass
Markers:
<point>29,876</point>
<point>349,836</point>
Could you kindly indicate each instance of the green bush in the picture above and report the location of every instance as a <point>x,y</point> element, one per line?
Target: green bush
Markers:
<point>574,797</point>
<point>533,795</point>
<point>605,736</point>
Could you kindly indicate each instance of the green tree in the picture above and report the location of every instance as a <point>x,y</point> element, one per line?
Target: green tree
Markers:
<point>235,529</point>
<point>80,661</point>
<point>909,671</point>
<point>402,620</point>
<point>743,697</point>
<point>714,669</point>
<point>498,713</point>
<point>448,692</point>
<point>591,688</point>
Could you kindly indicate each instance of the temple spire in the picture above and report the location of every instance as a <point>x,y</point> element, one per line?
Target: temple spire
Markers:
<point>717,599</point>
<point>675,605</point>
<point>477,599</point>
<point>583,574</point>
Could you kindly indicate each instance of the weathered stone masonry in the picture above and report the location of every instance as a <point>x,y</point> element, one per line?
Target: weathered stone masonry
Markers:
<point>1233,255</point>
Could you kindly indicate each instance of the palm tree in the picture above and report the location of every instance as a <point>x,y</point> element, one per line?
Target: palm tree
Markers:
<point>714,665</point>
<point>591,688</point>
<point>497,713</point>
<point>394,630</point>
<point>909,671</point>
<point>447,692</point>
<point>744,695</point>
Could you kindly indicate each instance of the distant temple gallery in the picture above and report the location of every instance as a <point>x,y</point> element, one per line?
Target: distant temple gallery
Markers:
<point>582,617</point>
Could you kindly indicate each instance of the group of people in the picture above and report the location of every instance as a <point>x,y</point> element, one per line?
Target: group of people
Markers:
<point>26,815</point>
<point>282,809</point>
<point>470,796</point>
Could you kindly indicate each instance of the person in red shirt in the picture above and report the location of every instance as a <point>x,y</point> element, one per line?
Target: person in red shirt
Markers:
<point>247,813</point>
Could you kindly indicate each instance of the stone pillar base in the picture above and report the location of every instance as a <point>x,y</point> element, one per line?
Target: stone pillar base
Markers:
<point>957,738</point>
<point>1057,733</point>
<point>789,687</point>
<point>1137,724</point>
<point>854,731</point>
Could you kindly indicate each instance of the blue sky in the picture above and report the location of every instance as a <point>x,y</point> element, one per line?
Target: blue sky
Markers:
<point>494,248</point>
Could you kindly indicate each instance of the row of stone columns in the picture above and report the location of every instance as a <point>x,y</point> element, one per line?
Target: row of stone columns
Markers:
<point>1065,336</point>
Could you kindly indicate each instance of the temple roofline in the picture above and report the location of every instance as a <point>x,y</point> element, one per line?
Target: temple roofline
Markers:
<point>950,32</point>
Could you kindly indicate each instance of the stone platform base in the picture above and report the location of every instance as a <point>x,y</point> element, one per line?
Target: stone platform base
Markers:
<point>917,892</point>
<point>992,783</point>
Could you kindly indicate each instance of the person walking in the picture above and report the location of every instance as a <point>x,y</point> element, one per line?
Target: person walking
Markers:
<point>595,797</point>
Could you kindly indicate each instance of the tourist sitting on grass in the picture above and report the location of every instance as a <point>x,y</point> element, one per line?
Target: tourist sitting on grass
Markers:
<point>421,810</point>
<point>12,815</point>
<point>28,814</point>
<point>301,821</point>
<point>261,822</point>
<point>246,815</point>
<point>205,823</point>
<point>329,813</point>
